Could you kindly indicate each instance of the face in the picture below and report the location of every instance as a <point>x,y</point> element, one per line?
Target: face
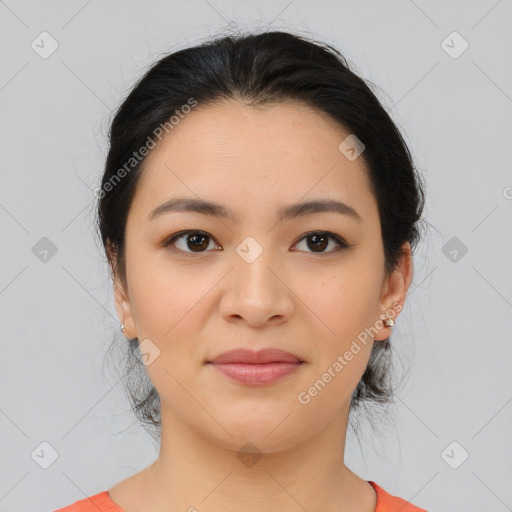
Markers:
<point>311,283</point>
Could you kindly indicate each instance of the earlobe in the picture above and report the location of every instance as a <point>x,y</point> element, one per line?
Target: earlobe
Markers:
<point>395,292</point>
<point>124,311</point>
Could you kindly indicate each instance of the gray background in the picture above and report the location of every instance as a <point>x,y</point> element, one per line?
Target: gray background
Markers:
<point>57,311</point>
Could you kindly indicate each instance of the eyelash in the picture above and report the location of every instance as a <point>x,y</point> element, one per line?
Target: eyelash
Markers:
<point>340,241</point>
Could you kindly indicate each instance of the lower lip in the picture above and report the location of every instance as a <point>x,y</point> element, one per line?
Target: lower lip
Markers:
<point>257,374</point>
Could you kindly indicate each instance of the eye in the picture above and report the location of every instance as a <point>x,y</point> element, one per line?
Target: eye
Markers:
<point>320,239</point>
<point>198,241</point>
<point>195,240</point>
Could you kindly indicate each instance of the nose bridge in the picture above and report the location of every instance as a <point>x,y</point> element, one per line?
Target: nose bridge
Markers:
<point>256,265</point>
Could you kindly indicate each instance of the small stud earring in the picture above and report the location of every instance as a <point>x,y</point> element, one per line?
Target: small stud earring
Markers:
<point>389,322</point>
<point>122,323</point>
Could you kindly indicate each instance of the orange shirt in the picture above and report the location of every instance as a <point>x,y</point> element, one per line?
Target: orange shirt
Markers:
<point>102,502</point>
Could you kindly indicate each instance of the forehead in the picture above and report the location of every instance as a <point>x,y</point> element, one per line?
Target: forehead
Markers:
<point>245,156</point>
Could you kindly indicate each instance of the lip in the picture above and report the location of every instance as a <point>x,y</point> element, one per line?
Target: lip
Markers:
<point>266,355</point>
<point>256,368</point>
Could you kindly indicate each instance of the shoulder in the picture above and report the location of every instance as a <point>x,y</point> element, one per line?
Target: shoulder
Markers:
<point>100,502</point>
<point>389,503</point>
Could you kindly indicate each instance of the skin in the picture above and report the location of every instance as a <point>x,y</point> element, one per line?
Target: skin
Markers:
<point>195,305</point>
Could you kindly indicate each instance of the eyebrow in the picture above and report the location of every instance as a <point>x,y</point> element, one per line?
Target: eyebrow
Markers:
<point>204,207</point>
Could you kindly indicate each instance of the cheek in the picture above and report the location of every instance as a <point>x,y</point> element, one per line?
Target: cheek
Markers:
<point>169,310</point>
<point>342,346</point>
<point>345,302</point>
<point>167,298</point>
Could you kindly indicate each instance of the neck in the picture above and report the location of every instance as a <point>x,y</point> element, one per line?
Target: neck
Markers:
<point>197,474</point>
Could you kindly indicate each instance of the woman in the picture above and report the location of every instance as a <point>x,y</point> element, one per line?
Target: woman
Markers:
<point>259,210</point>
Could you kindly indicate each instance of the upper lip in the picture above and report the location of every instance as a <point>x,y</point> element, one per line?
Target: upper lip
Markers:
<point>266,355</point>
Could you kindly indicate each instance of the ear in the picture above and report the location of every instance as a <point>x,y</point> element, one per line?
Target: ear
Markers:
<point>124,309</point>
<point>394,291</point>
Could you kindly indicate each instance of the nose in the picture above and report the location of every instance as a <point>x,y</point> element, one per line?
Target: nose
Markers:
<point>257,292</point>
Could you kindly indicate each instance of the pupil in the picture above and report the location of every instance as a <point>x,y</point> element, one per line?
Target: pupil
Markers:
<point>317,242</point>
<point>194,239</point>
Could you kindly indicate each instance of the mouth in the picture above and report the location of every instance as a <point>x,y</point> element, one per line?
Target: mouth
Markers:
<point>256,368</point>
<point>264,356</point>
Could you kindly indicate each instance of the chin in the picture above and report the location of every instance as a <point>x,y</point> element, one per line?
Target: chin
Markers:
<point>265,437</point>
